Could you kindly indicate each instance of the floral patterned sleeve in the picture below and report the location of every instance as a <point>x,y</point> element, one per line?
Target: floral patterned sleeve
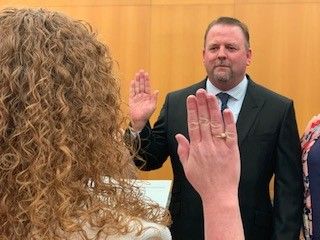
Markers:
<point>308,139</point>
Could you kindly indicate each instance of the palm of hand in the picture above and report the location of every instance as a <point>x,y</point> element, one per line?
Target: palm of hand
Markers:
<point>142,106</point>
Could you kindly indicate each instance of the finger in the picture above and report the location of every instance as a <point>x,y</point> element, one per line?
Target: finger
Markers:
<point>183,149</point>
<point>131,90</point>
<point>143,76</point>
<point>216,120</point>
<point>203,113</point>
<point>136,83</point>
<point>154,95</point>
<point>147,85</point>
<point>230,127</point>
<point>193,122</point>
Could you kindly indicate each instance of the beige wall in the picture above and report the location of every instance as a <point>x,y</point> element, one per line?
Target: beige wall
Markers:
<point>165,37</point>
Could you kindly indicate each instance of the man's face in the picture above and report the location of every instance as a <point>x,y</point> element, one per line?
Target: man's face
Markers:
<point>226,56</point>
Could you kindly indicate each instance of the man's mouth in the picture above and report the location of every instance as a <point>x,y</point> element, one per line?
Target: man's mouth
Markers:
<point>222,66</point>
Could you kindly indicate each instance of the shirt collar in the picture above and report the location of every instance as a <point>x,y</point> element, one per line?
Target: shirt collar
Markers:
<point>237,92</point>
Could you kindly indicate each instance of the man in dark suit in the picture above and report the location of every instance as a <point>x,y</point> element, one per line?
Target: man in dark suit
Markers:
<point>267,135</point>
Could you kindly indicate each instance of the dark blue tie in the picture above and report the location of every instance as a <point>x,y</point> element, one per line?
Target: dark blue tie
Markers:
<point>224,97</point>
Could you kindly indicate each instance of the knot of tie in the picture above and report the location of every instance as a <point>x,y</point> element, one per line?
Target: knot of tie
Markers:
<point>224,97</point>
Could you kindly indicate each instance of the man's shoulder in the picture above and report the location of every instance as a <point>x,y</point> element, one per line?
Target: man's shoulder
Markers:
<point>264,92</point>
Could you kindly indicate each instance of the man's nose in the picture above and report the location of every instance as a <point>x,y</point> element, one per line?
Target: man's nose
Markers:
<point>222,53</point>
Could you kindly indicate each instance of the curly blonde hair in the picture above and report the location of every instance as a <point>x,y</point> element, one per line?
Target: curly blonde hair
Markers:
<point>63,161</point>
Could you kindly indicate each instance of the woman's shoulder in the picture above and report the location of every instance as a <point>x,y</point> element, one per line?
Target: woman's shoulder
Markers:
<point>151,231</point>
<point>139,229</point>
<point>314,122</point>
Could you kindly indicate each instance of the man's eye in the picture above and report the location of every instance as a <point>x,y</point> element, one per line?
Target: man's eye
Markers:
<point>231,48</point>
<point>213,48</point>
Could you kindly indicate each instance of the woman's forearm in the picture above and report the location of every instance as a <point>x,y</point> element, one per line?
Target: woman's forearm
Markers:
<point>222,220</point>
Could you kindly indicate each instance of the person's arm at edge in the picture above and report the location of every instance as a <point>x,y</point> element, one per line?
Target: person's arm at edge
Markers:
<point>222,220</point>
<point>150,146</point>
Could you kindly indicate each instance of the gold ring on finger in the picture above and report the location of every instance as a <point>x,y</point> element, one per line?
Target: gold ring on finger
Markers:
<point>222,135</point>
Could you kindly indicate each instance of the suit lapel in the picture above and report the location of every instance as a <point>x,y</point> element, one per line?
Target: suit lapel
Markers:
<point>251,106</point>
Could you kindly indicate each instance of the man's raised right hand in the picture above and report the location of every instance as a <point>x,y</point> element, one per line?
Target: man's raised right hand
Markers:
<point>142,101</point>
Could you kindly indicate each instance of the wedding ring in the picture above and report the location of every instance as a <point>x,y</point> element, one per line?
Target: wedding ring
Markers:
<point>222,135</point>
<point>225,135</point>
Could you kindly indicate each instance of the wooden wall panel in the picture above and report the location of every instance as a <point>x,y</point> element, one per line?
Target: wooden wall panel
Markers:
<point>191,2</point>
<point>74,3</point>
<point>276,1</point>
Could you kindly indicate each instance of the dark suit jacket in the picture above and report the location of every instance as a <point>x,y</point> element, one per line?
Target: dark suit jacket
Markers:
<point>269,144</point>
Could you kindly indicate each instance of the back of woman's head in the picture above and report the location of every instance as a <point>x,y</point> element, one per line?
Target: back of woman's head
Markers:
<point>59,130</point>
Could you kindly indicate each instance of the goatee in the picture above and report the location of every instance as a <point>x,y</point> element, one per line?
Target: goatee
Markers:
<point>222,77</point>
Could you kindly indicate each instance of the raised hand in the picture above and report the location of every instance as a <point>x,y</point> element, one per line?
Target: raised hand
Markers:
<point>211,162</point>
<point>142,101</point>
<point>211,159</point>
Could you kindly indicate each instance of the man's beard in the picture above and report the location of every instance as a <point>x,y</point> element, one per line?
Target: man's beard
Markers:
<point>223,76</point>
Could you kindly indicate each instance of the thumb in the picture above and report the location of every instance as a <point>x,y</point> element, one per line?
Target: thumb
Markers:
<point>183,148</point>
<point>155,94</point>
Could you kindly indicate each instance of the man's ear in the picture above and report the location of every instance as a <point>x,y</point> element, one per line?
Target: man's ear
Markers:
<point>249,56</point>
<point>203,52</point>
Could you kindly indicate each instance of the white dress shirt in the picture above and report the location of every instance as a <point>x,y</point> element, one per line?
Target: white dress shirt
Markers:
<point>236,95</point>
